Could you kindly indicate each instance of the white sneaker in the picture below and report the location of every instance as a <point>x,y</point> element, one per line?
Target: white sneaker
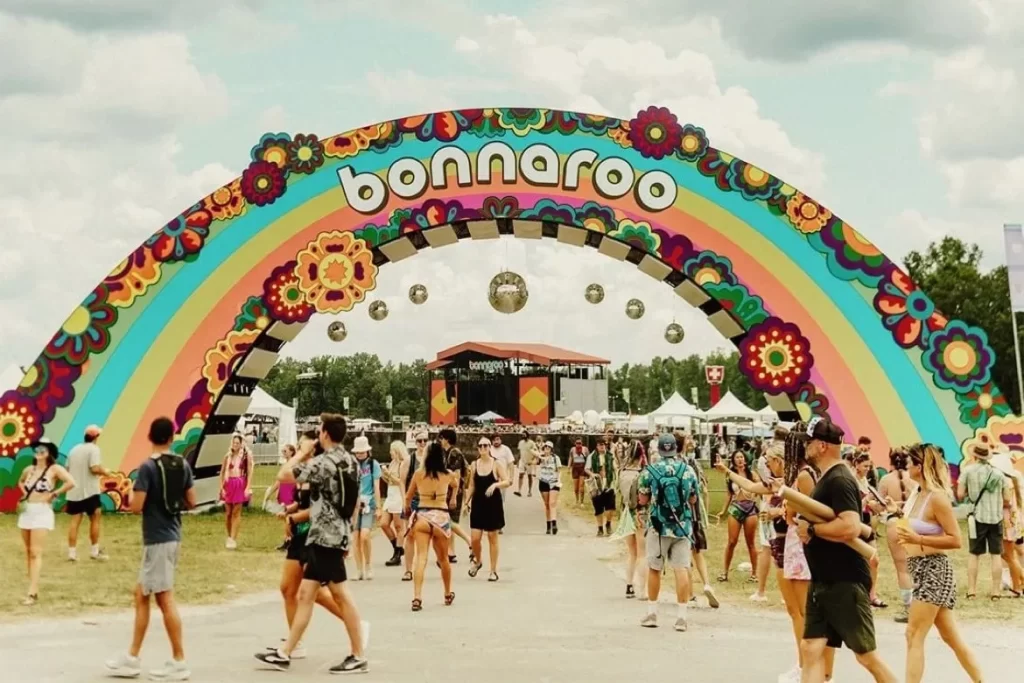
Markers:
<point>709,593</point>
<point>791,676</point>
<point>649,621</point>
<point>757,597</point>
<point>231,544</point>
<point>72,556</point>
<point>681,624</point>
<point>369,575</point>
<point>124,666</point>
<point>171,671</point>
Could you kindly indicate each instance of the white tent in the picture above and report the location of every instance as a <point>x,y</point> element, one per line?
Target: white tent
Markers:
<point>10,378</point>
<point>767,415</point>
<point>489,416</point>
<point>266,405</point>
<point>675,411</point>
<point>730,409</point>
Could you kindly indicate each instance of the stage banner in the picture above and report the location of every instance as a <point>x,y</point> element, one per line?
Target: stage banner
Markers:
<point>1014,237</point>
<point>534,400</point>
<point>442,411</point>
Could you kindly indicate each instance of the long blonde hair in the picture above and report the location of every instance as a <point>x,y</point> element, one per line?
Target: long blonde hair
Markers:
<point>398,450</point>
<point>934,469</point>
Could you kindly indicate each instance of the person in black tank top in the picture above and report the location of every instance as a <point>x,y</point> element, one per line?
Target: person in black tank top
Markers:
<point>487,509</point>
<point>409,468</point>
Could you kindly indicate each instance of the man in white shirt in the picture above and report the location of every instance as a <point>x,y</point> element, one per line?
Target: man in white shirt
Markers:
<point>84,500</point>
<point>503,454</point>
<point>528,454</point>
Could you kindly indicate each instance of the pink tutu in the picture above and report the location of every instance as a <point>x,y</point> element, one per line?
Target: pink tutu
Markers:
<point>794,562</point>
<point>234,491</point>
<point>286,494</point>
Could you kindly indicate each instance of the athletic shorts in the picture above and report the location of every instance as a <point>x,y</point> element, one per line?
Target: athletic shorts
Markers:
<point>324,565</point>
<point>604,502</point>
<point>158,564</point>
<point>297,548</point>
<point>545,487</point>
<point>661,548</point>
<point>841,614</point>
<point>988,540</point>
<point>86,506</point>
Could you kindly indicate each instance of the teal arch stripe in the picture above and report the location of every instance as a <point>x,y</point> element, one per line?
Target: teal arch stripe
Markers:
<point>98,403</point>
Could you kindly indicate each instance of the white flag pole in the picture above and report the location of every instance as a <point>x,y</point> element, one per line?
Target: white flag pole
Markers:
<point>1016,349</point>
<point>1012,235</point>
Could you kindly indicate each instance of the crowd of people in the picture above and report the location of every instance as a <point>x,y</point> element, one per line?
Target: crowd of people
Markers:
<point>650,494</point>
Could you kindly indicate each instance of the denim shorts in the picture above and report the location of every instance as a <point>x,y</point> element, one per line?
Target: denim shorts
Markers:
<point>366,520</point>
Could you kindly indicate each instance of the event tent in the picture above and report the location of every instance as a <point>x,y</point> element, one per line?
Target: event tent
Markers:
<point>266,405</point>
<point>767,415</point>
<point>731,409</point>
<point>675,406</point>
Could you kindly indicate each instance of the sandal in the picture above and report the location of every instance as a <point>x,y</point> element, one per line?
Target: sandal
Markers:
<point>879,603</point>
<point>407,576</point>
<point>971,596</point>
<point>30,600</point>
<point>493,577</point>
<point>475,569</point>
<point>417,605</point>
<point>449,598</point>
<point>723,578</point>
<point>752,579</point>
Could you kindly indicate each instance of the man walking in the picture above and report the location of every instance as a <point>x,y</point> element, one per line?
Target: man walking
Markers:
<point>668,489</point>
<point>333,478</point>
<point>986,490</point>
<point>85,468</point>
<point>601,470</point>
<point>162,490</point>
<point>528,453</point>
<point>838,604</point>
<point>455,461</point>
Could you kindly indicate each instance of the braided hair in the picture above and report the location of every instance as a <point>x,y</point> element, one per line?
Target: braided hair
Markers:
<point>795,453</point>
<point>898,459</point>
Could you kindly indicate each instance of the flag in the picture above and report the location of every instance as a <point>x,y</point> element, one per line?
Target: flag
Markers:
<point>662,392</point>
<point>1014,237</point>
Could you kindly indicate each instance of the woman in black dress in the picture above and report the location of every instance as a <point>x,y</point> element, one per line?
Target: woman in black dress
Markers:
<point>486,508</point>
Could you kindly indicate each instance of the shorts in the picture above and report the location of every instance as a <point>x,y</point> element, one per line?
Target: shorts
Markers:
<point>545,487</point>
<point>742,510</point>
<point>988,540</point>
<point>794,562</point>
<point>841,614</point>
<point>393,503</point>
<point>456,514</point>
<point>324,565</point>
<point>700,539</point>
<point>604,502</point>
<point>778,548</point>
<point>86,506</point>
<point>934,581</point>
<point>159,561</point>
<point>297,548</point>
<point>366,520</point>
<point>658,548</point>
<point>578,471</point>
<point>36,516</point>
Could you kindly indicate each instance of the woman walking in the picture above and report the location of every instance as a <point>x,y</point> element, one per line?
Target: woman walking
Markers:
<point>431,524</point>
<point>39,488</point>
<point>577,468</point>
<point>487,511</point>
<point>550,485</point>
<point>865,473</point>
<point>1013,526</point>
<point>631,522</point>
<point>897,486</point>
<point>370,507</point>
<point>391,521</point>
<point>929,530</point>
<point>699,511</point>
<point>742,509</point>
<point>235,491</point>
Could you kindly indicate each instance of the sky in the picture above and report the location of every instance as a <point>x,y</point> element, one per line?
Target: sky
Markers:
<point>901,117</point>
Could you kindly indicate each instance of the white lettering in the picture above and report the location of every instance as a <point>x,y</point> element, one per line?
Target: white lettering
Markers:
<point>487,154</point>
<point>407,178</point>
<point>364,192</point>
<point>487,365</point>
<point>656,191</point>
<point>539,165</point>
<point>613,177</point>
<point>439,167</point>
<point>576,160</point>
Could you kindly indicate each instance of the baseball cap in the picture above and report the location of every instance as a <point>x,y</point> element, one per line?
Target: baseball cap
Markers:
<point>821,429</point>
<point>667,444</point>
<point>93,430</point>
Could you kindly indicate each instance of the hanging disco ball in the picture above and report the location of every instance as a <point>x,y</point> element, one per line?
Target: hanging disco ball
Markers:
<point>635,309</point>
<point>418,294</point>
<point>507,292</point>
<point>378,310</point>
<point>674,333</point>
<point>336,331</point>
<point>594,293</point>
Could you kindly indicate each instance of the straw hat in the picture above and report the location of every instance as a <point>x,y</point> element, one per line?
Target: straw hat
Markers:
<point>361,445</point>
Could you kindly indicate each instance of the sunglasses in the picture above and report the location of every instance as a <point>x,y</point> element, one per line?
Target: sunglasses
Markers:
<point>483,445</point>
<point>421,440</point>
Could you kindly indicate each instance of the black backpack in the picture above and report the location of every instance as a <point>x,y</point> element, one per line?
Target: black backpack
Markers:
<point>348,486</point>
<point>172,481</point>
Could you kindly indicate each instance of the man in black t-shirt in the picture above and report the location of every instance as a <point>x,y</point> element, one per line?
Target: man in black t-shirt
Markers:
<point>455,461</point>
<point>838,610</point>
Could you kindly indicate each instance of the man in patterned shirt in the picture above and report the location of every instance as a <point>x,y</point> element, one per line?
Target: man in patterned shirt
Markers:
<point>668,489</point>
<point>326,544</point>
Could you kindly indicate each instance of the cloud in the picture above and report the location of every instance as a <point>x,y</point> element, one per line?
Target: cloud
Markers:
<point>464,44</point>
<point>125,15</point>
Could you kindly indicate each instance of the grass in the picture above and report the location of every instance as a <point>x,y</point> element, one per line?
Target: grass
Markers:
<point>738,590</point>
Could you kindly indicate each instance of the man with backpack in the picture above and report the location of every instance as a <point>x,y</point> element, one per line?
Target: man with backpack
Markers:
<point>163,489</point>
<point>601,470</point>
<point>333,479</point>
<point>668,489</point>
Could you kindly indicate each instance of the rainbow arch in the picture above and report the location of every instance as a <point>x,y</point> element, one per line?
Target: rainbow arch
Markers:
<point>194,317</point>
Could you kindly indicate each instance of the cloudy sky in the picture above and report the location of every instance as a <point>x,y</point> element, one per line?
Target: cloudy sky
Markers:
<point>902,117</point>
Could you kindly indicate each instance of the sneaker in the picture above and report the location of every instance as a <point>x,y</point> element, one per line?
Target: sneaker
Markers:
<point>630,593</point>
<point>359,576</point>
<point>791,676</point>
<point>650,621</point>
<point>554,528</point>
<point>124,666</point>
<point>452,559</point>
<point>758,597</point>
<point>709,593</point>
<point>173,670</point>
<point>351,665</point>
<point>904,615</point>
<point>298,653</point>
<point>369,574</point>
<point>274,659</point>
<point>681,624</point>
<point>73,557</point>
<point>231,544</point>
<point>519,493</point>
<point>99,557</point>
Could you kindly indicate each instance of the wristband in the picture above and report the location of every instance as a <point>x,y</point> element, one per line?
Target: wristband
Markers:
<point>810,531</point>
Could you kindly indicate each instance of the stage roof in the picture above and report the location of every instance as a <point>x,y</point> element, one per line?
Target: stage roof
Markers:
<point>541,354</point>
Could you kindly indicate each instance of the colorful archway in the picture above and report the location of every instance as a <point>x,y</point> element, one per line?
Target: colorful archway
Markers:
<point>194,318</point>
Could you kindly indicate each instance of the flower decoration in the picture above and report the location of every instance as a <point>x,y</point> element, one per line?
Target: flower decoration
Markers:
<point>132,278</point>
<point>959,357</point>
<point>117,487</point>
<point>305,154</point>
<point>707,267</point>
<point>226,202</point>
<point>563,122</point>
<point>435,212</point>
<point>906,311</point>
<point>1007,433</point>
<point>590,215</point>
<point>747,308</point>
<point>675,248</point>
<point>522,121</point>
<point>20,423</point>
<point>254,316</point>
<point>183,237</point>
<point>186,441</point>
<point>500,207</point>
<point>655,132</point>
<point>637,234</point>
<point>443,126</point>
<point>693,142</point>
<point>806,215</point>
<point>283,298</point>
<point>262,183</point>
<point>775,356</point>
<point>620,135</point>
<point>50,385</point>
<point>198,405</point>
<point>86,331</point>
<point>750,181</point>
<point>353,142</point>
<point>809,403</point>
<point>272,148</point>
<point>375,235</point>
<point>487,126</point>
<point>850,256</point>
<point>220,361</point>
<point>335,271</point>
<point>981,404</point>
<point>598,125</point>
<point>388,136</point>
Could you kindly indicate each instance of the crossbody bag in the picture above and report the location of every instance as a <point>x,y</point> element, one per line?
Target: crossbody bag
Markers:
<point>972,523</point>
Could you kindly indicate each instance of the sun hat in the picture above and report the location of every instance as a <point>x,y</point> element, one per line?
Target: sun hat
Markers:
<point>48,445</point>
<point>361,445</point>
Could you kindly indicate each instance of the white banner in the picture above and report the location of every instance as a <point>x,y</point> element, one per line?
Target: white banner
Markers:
<point>1014,237</point>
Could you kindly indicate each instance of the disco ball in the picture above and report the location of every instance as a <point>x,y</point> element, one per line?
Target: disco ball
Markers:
<point>418,294</point>
<point>594,293</point>
<point>336,331</point>
<point>674,333</point>
<point>378,310</point>
<point>635,309</point>
<point>507,292</point>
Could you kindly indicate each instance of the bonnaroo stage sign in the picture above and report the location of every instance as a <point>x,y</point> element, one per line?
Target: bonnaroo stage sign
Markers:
<point>192,319</point>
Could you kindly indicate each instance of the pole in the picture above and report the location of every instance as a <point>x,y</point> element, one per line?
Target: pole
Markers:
<point>1016,349</point>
